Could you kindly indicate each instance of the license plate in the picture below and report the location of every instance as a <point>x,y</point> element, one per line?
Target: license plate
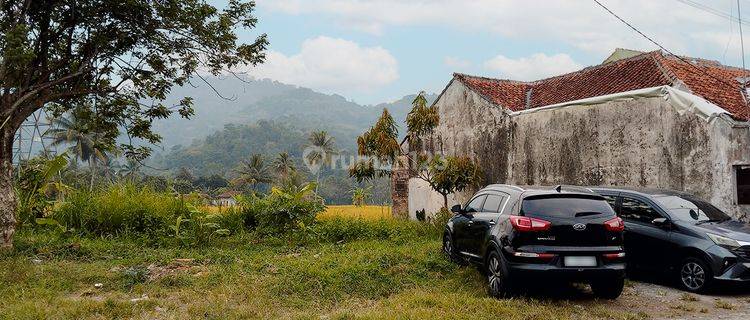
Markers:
<point>580,261</point>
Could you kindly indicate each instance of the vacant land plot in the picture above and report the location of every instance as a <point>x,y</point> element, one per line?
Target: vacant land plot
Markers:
<point>395,274</point>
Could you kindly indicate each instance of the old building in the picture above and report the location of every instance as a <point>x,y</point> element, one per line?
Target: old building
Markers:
<point>638,119</point>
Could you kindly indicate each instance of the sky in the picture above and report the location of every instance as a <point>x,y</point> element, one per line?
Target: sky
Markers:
<point>373,51</point>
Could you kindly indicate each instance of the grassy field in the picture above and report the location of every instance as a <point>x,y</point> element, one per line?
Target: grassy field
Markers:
<point>386,269</point>
<point>344,211</point>
<point>363,212</point>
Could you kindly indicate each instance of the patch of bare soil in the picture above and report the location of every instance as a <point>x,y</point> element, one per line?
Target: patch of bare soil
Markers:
<point>657,300</point>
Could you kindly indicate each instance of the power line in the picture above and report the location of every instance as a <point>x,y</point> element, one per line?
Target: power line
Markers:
<point>731,34</point>
<point>742,44</point>
<point>742,41</point>
<point>713,11</point>
<point>702,72</point>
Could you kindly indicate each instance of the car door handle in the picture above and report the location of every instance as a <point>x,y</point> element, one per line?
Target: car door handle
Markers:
<point>492,222</point>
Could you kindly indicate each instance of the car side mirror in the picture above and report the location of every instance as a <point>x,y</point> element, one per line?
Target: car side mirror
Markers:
<point>457,209</point>
<point>660,222</point>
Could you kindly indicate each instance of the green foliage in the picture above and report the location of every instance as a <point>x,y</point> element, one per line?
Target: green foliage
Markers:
<point>253,172</point>
<point>380,141</point>
<point>440,218</point>
<point>283,165</point>
<point>119,209</point>
<point>223,150</point>
<point>37,187</point>
<point>344,229</point>
<point>127,209</point>
<point>208,226</point>
<point>360,196</point>
<point>77,130</point>
<point>421,120</point>
<point>447,175</point>
<point>324,147</point>
<point>134,275</point>
<point>284,210</point>
<point>124,55</point>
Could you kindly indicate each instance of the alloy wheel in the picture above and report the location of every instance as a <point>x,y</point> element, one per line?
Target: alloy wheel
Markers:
<point>447,245</point>
<point>495,274</point>
<point>692,275</point>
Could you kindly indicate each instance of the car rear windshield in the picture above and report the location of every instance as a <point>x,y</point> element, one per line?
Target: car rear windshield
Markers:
<point>565,206</point>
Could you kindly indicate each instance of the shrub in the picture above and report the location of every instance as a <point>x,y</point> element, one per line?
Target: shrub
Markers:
<point>36,187</point>
<point>440,218</point>
<point>283,210</point>
<point>120,208</point>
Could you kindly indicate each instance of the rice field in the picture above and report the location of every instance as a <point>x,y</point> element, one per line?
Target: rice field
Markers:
<point>345,211</point>
<point>363,212</point>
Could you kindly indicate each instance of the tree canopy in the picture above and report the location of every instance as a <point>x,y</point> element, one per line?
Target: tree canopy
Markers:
<point>118,59</point>
<point>380,147</point>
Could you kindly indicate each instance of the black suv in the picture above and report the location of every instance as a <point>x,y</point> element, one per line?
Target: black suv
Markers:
<point>529,233</point>
<point>690,239</point>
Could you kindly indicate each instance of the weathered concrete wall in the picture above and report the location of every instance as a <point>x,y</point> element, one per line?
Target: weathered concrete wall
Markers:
<point>641,142</point>
<point>481,132</point>
<point>730,147</point>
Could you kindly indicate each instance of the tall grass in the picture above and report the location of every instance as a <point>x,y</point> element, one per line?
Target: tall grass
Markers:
<point>121,208</point>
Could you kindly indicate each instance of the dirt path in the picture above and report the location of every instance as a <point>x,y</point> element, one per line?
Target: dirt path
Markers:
<point>665,302</point>
<point>662,301</point>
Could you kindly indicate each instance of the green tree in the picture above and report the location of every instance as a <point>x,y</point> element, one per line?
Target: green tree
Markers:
<point>253,172</point>
<point>380,146</point>
<point>130,170</point>
<point>448,175</point>
<point>84,143</point>
<point>323,147</point>
<point>360,196</point>
<point>283,165</point>
<point>125,55</point>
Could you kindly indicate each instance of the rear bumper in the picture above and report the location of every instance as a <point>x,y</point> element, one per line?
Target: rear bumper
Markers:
<point>554,269</point>
<point>536,270</point>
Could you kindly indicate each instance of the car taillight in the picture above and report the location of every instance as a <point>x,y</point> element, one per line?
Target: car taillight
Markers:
<point>614,256</point>
<point>543,256</point>
<point>529,224</point>
<point>616,225</point>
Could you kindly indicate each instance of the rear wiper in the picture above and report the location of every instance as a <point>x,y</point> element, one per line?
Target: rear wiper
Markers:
<point>586,213</point>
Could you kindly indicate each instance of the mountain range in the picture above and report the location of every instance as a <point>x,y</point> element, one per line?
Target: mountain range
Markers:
<point>235,118</point>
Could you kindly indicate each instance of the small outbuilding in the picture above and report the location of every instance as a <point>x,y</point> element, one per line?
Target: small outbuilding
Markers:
<point>638,119</point>
<point>226,199</point>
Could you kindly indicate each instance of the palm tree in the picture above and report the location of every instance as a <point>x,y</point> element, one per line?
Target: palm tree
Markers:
<point>83,144</point>
<point>253,172</point>
<point>130,169</point>
<point>283,165</point>
<point>324,148</point>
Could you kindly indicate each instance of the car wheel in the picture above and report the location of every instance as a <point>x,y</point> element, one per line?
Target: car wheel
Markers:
<point>450,251</point>
<point>497,281</point>
<point>694,275</point>
<point>608,288</point>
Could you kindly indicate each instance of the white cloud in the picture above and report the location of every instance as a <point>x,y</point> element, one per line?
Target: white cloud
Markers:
<point>331,65</point>
<point>581,24</point>
<point>457,64</point>
<point>534,67</point>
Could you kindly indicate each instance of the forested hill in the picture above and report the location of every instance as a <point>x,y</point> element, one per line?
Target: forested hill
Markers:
<point>246,102</point>
<point>261,116</point>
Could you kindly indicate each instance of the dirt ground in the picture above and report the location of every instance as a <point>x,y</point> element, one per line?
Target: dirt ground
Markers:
<point>655,299</point>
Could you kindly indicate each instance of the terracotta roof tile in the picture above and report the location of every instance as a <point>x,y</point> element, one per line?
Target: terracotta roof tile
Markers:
<point>711,80</point>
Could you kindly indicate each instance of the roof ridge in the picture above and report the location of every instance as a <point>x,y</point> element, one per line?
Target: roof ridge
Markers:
<point>598,66</point>
<point>464,75</point>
